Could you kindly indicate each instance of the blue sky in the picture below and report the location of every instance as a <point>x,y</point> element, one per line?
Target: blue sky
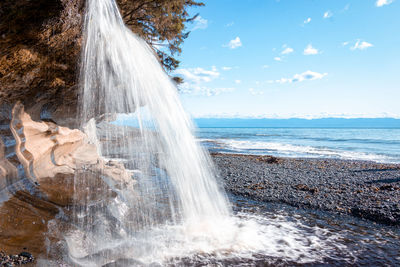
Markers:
<point>293,58</point>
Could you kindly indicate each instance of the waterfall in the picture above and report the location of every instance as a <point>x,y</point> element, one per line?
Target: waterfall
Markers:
<point>121,74</point>
<point>175,180</point>
<point>152,196</point>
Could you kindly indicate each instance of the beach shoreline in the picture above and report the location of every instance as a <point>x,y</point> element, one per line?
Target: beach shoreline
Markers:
<point>363,189</point>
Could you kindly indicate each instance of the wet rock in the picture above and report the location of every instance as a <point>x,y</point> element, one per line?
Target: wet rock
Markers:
<point>124,262</point>
<point>8,172</point>
<point>389,187</point>
<point>53,155</point>
<point>52,170</point>
<point>303,187</point>
<point>14,260</point>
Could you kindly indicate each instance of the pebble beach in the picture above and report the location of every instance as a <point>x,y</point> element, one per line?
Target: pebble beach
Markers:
<point>363,189</point>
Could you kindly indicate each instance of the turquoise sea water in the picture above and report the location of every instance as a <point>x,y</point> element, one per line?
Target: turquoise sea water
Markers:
<point>372,144</point>
<point>352,139</point>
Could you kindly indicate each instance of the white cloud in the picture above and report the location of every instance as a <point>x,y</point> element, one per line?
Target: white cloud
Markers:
<point>195,80</point>
<point>361,45</point>
<point>380,3</point>
<point>287,51</point>
<point>345,43</point>
<point>230,24</point>
<point>213,91</point>
<point>255,92</point>
<point>226,68</point>
<point>277,59</point>
<point>308,20</point>
<point>200,23</point>
<point>198,75</point>
<point>305,76</point>
<point>310,50</point>
<point>283,80</point>
<point>265,66</point>
<point>235,43</point>
<point>238,81</point>
<point>328,14</point>
<point>203,90</point>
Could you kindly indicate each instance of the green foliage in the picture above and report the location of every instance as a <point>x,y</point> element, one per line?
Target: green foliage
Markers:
<point>161,23</point>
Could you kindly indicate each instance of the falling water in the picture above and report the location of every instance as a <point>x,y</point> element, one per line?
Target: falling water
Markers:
<point>121,74</point>
<point>175,208</point>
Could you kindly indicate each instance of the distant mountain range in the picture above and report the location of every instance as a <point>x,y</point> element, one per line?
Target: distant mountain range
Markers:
<point>299,123</point>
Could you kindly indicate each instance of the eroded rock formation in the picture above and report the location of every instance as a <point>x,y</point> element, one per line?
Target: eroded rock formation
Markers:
<point>40,185</point>
<point>51,155</point>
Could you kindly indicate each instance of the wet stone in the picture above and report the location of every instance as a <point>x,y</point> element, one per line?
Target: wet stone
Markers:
<point>15,260</point>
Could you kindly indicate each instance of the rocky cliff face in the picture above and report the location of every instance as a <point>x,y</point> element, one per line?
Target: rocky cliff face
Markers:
<point>39,50</point>
<point>40,43</point>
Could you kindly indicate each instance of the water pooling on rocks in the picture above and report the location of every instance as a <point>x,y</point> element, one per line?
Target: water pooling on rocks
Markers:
<point>165,205</point>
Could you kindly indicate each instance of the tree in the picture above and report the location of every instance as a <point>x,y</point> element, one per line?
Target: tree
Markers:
<point>161,23</point>
<point>40,47</point>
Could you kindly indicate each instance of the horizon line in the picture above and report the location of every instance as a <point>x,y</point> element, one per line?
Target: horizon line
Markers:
<point>300,118</point>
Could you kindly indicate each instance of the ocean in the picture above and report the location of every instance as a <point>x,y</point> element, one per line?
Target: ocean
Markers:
<point>370,144</point>
<point>375,140</point>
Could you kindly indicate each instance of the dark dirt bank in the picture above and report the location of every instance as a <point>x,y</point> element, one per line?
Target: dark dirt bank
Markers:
<point>363,189</point>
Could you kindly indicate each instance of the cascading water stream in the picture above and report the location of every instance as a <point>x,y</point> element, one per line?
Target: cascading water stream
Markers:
<point>121,74</point>
<point>176,208</point>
